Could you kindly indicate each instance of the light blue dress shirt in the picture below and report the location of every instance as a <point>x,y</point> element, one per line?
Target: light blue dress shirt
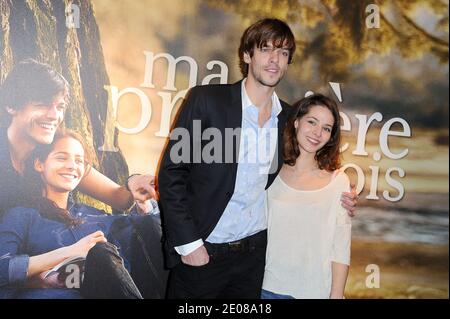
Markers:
<point>245,213</point>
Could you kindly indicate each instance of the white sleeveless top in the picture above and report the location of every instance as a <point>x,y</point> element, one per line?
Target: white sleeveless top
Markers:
<point>307,230</point>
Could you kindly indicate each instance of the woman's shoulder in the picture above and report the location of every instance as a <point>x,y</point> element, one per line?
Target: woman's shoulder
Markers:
<point>22,210</point>
<point>341,179</point>
<point>19,213</point>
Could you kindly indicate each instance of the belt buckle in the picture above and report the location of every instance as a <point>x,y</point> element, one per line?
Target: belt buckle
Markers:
<point>235,245</point>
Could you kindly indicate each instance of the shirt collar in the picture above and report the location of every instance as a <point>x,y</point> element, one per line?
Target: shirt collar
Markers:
<point>246,102</point>
<point>70,202</point>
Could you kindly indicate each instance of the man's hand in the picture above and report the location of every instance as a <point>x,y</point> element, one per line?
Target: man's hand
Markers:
<point>150,206</point>
<point>349,201</point>
<point>143,207</point>
<point>198,257</point>
<point>142,187</point>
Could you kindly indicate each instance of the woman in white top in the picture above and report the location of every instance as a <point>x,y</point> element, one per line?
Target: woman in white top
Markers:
<point>309,232</point>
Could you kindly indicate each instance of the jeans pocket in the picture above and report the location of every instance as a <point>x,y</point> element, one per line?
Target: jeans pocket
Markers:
<point>211,252</point>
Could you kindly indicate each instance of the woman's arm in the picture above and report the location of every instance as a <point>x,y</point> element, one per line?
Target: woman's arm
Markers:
<point>40,263</point>
<point>340,256</point>
<point>13,231</point>
<point>97,185</point>
<point>339,274</point>
<point>16,267</point>
<point>44,262</point>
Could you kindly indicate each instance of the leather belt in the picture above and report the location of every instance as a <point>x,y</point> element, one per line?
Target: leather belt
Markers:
<point>246,244</point>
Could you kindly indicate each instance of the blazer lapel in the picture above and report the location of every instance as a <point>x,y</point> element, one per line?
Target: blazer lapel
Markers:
<point>234,111</point>
<point>234,121</point>
<point>234,117</point>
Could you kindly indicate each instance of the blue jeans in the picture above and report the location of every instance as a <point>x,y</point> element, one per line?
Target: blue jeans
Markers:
<point>266,294</point>
<point>105,276</point>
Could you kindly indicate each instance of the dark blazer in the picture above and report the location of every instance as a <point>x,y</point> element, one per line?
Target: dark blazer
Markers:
<point>193,196</point>
<point>14,189</point>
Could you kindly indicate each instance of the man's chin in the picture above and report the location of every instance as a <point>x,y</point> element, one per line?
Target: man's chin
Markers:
<point>44,139</point>
<point>270,83</point>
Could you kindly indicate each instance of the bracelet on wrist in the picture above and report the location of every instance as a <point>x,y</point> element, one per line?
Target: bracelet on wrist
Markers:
<point>128,179</point>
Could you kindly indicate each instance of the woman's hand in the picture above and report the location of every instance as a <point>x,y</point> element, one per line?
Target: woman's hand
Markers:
<point>39,264</point>
<point>82,247</point>
<point>142,187</point>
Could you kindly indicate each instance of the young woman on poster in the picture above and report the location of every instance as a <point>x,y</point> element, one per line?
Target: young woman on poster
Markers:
<point>52,229</point>
<point>309,232</point>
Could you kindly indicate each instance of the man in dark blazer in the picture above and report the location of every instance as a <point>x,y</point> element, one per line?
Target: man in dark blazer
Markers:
<point>213,199</point>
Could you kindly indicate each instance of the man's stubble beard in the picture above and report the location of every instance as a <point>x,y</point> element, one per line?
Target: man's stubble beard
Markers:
<point>260,80</point>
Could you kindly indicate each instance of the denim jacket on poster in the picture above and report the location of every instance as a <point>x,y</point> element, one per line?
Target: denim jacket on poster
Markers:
<point>24,233</point>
